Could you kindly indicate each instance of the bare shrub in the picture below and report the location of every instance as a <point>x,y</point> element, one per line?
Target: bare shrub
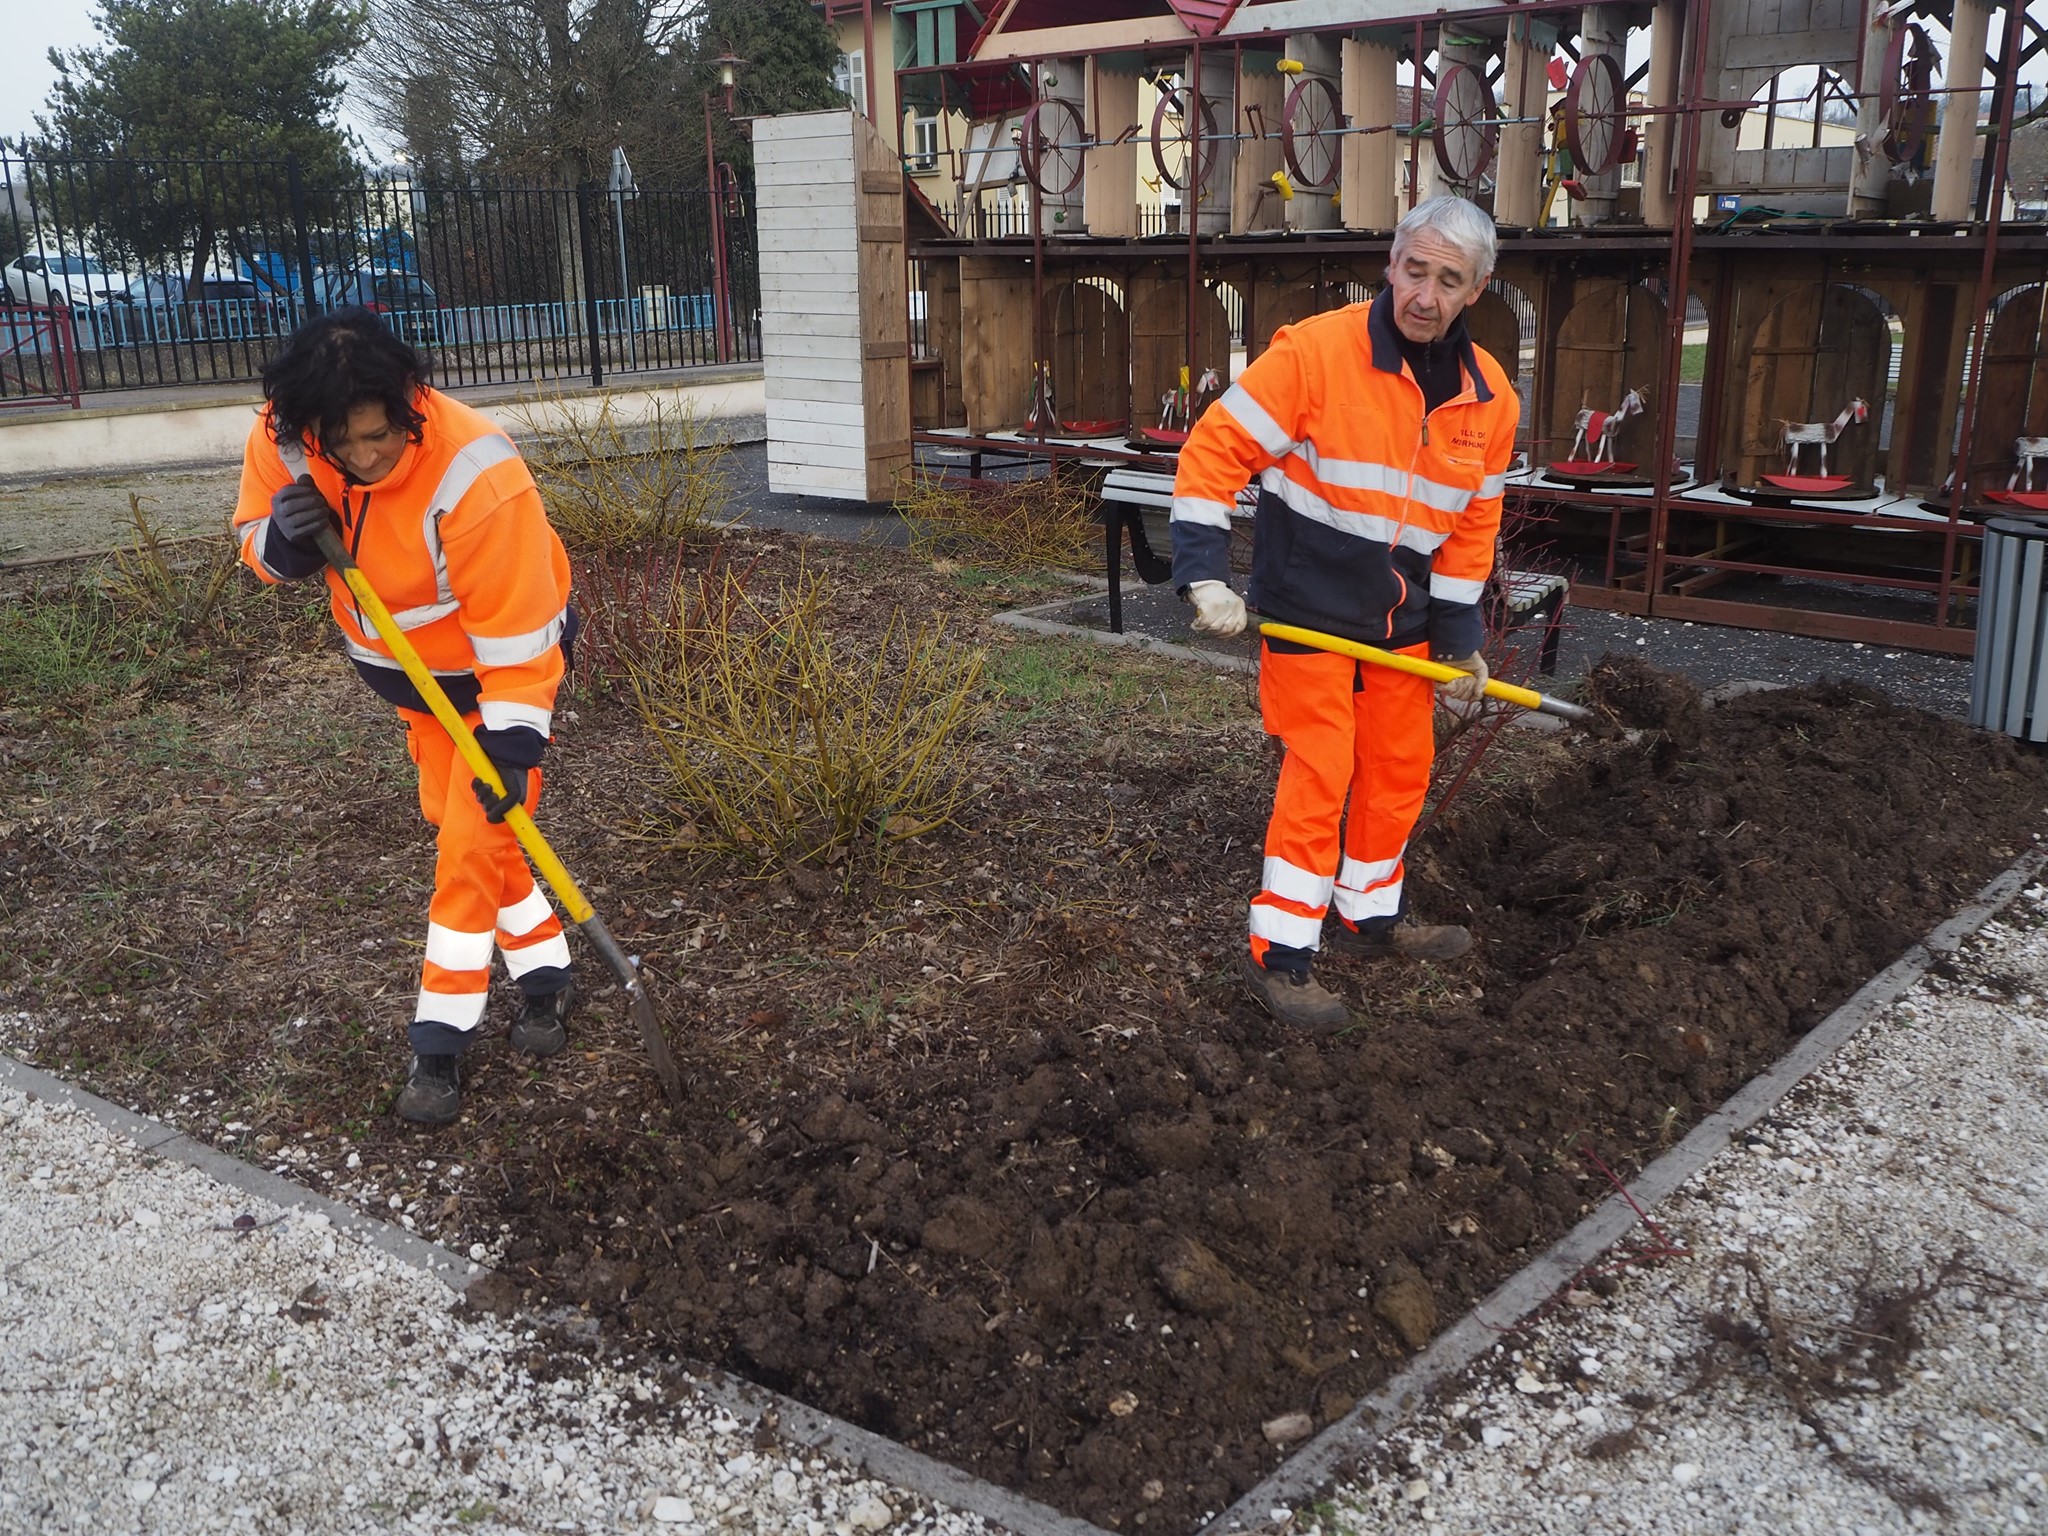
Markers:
<point>780,742</point>
<point>1006,525</point>
<point>611,484</point>
<point>169,583</point>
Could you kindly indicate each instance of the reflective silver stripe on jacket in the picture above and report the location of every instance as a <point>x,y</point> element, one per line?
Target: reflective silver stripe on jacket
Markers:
<point>1237,401</point>
<point>461,475</point>
<point>1365,475</point>
<point>1361,525</point>
<point>1454,589</point>
<point>510,650</point>
<point>359,652</point>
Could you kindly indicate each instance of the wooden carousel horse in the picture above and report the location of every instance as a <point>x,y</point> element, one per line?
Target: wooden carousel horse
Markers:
<point>1798,434</point>
<point>1595,430</point>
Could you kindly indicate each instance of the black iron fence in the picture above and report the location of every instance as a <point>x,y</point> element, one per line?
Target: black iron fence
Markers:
<point>123,274</point>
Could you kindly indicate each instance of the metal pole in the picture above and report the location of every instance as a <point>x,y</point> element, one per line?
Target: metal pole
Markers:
<point>584,192</point>
<point>717,227</point>
<point>625,293</point>
<point>1997,163</point>
<point>1677,299</point>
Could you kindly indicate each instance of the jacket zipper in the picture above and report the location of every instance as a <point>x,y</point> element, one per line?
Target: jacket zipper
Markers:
<point>355,524</point>
<point>1408,492</point>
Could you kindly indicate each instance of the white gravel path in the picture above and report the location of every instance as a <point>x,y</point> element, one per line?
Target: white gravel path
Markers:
<point>176,1356</point>
<point>163,1369</point>
<point>1916,1160</point>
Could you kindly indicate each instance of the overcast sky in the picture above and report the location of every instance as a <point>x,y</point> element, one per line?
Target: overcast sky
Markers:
<point>29,29</point>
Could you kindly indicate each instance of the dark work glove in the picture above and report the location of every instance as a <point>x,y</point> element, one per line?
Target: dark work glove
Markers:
<point>299,512</point>
<point>495,806</point>
<point>513,751</point>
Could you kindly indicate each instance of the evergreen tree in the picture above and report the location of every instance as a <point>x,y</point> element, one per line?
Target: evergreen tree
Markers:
<point>195,80</point>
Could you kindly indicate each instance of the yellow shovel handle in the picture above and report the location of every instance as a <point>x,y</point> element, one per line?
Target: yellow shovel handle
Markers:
<point>1435,671</point>
<point>551,868</point>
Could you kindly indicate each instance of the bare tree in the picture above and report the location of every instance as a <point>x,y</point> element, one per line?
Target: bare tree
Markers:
<point>538,88</point>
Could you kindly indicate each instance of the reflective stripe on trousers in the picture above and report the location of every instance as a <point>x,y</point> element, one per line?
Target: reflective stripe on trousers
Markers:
<point>484,896</point>
<point>1353,732</point>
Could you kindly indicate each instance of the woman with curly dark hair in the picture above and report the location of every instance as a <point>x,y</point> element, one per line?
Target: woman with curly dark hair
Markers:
<point>441,513</point>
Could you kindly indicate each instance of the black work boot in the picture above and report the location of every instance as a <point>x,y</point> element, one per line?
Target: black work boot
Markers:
<point>543,1028</point>
<point>1296,999</point>
<point>1405,941</point>
<point>433,1094</point>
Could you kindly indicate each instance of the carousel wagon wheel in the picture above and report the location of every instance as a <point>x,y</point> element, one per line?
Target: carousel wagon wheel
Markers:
<point>1595,115</point>
<point>1467,128</point>
<point>1169,136</point>
<point>1905,98</point>
<point>1309,128</point>
<point>1053,140</point>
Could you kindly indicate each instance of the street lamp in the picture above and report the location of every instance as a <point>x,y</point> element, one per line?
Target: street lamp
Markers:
<point>721,297</point>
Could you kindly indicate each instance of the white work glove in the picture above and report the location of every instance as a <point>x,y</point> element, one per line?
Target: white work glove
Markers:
<point>1218,610</point>
<point>1468,690</point>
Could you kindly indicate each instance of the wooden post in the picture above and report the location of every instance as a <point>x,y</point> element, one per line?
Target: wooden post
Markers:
<point>1957,147</point>
<point>1602,29</point>
<point>1109,188</point>
<point>835,320</point>
<point>1370,183</point>
<point>1320,60</point>
<point>1518,170</point>
<point>1873,167</point>
<point>1667,34</point>
<point>1210,203</point>
<point>1255,202</point>
<point>1060,213</point>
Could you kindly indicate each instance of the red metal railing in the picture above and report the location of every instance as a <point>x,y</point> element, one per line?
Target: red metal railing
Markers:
<point>39,352</point>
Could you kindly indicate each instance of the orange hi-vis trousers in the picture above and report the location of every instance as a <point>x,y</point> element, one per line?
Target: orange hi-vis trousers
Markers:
<point>1353,732</point>
<point>484,895</point>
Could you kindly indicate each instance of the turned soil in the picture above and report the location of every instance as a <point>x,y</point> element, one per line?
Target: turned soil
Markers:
<point>988,1151</point>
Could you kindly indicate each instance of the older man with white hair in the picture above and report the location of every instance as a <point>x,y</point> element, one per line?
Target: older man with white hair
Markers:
<point>1380,437</point>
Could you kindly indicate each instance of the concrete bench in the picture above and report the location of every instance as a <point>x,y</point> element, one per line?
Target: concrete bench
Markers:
<point>1128,492</point>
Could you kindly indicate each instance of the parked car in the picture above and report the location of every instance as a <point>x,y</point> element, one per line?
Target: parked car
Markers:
<point>404,296</point>
<point>382,288</point>
<point>64,279</point>
<point>171,307</point>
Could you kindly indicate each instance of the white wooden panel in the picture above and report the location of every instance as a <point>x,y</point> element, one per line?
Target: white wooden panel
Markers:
<point>809,220</point>
<point>806,450</point>
<point>787,126</point>
<point>785,373</point>
<point>841,413</point>
<point>830,485</point>
<point>817,289</point>
<point>780,344</point>
<point>835,390</point>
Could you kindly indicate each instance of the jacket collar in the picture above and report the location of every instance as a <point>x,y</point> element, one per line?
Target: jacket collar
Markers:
<point>1386,343</point>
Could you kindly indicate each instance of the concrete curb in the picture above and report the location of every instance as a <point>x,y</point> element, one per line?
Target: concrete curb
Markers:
<point>1322,1460</point>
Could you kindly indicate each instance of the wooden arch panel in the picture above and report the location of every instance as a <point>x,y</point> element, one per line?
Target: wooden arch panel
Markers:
<point>1282,294</point>
<point>1816,349</point>
<point>2014,393</point>
<point>1610,342</point>
<point>1495,328</point>
<point>1159,339</point>
<point>1091,353</point>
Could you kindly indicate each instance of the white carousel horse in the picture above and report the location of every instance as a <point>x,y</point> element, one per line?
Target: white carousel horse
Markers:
<point>1798,434</point>
<point>2026,451</point>
<point>1595,430</point>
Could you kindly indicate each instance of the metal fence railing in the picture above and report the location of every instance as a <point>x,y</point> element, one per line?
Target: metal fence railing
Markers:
<point>188,272</point>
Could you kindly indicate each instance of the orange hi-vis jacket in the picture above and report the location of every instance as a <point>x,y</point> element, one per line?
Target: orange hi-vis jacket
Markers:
<point>457,544</point>
<point>1376,520</point>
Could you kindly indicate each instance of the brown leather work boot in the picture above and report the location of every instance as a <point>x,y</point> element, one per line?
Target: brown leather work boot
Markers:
<point>1405,941</point>
<point>1300,1001</point>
